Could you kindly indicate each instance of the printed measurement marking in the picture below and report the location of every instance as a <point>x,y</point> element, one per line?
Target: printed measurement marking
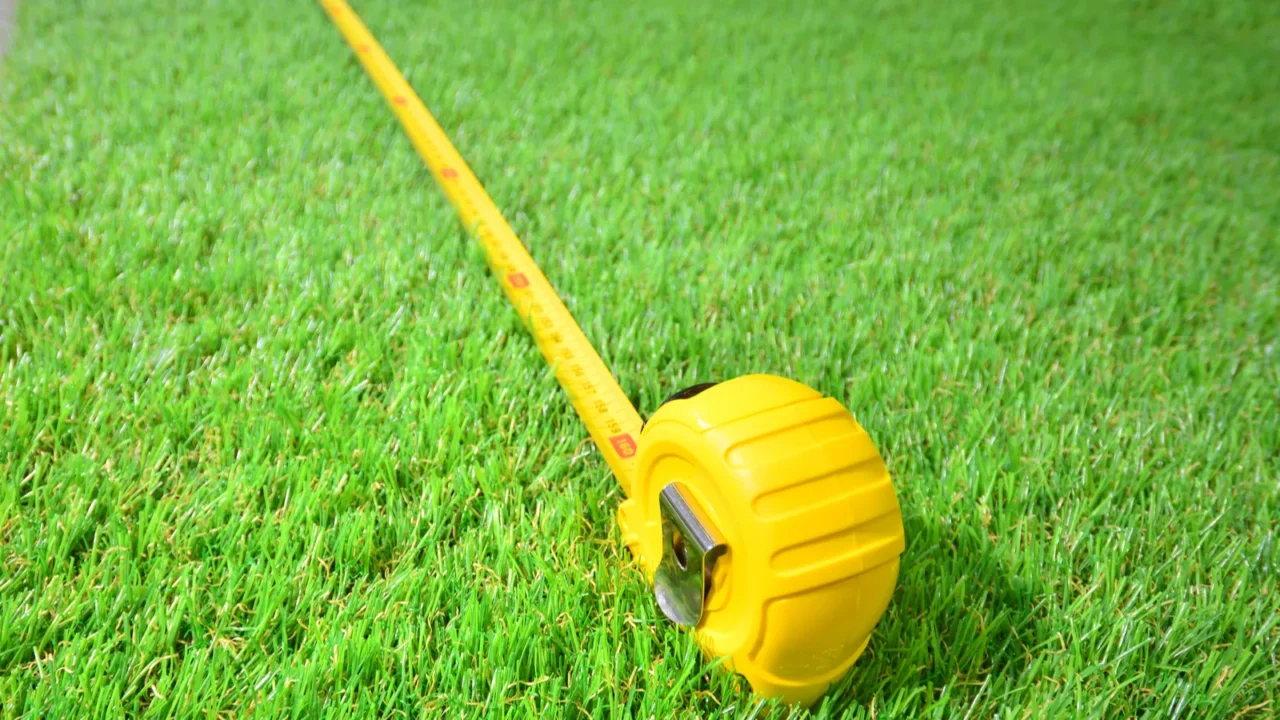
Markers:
<point>399,100</point>
<point>518,280</point>
<point>624,445</point>
<point>364,48</point>
<point>448,172</point>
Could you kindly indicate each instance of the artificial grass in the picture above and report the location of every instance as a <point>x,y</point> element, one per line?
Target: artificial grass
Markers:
<point>271,443</point>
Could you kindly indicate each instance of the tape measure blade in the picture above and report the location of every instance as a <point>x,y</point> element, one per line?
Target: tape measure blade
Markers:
<point>604,408</point>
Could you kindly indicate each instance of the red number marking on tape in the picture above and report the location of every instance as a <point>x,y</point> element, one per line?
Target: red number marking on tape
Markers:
<point>624,445</point>
<point>449,173</point>
<point>399,100</point>
<point>518,280</point>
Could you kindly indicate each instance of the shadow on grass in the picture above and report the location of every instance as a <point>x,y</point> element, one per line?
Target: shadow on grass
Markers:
<point>960,624</point>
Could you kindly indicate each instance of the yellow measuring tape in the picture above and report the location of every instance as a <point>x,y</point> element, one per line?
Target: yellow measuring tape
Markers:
<point>761,510</point>
<point>613,423</point>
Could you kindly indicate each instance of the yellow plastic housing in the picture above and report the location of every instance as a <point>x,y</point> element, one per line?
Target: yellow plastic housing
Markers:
<point>809,513</point>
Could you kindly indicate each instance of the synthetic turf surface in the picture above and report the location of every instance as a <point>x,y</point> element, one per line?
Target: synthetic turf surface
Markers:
<point>272,441</point>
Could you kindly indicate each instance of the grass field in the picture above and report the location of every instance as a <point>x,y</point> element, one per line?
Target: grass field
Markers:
<point>272,442</point>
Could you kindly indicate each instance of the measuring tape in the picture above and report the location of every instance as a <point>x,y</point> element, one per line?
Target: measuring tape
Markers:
<point>761,510</point>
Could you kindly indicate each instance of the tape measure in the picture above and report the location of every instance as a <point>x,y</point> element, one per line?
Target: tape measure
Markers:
<point>760,510</point>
